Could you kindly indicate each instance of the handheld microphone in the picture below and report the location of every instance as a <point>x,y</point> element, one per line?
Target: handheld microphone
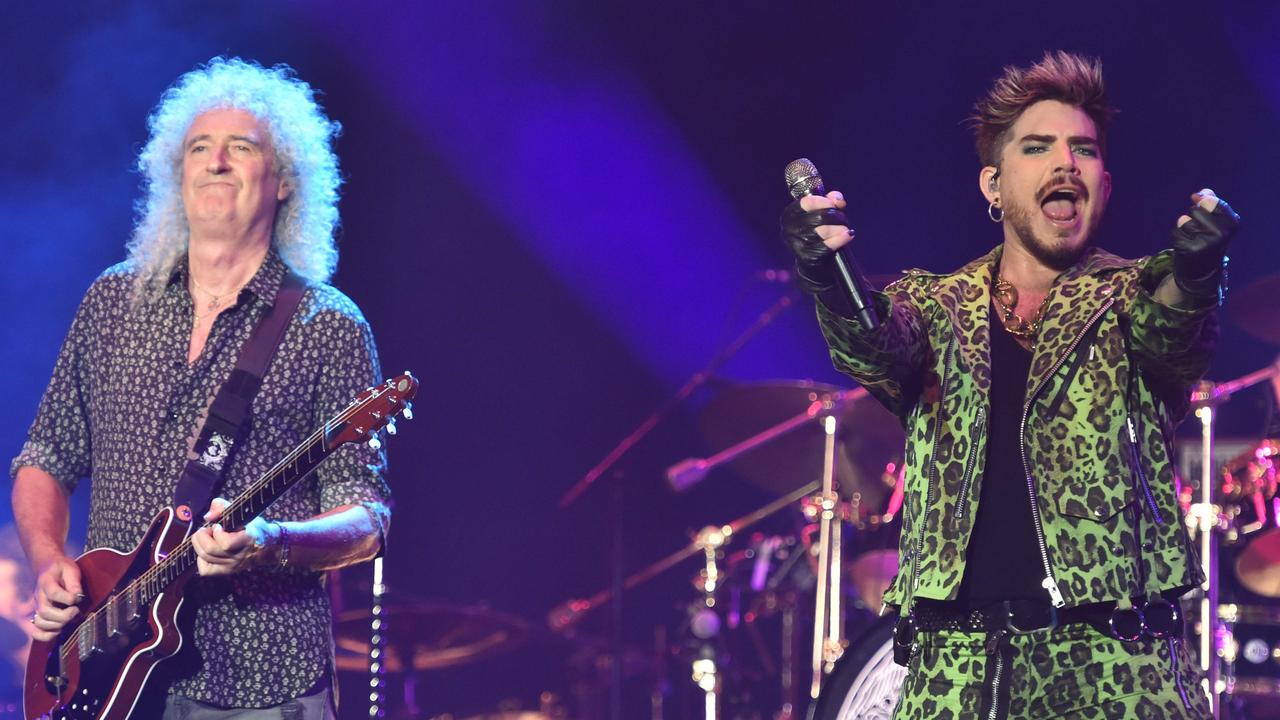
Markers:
<point>803,179</point>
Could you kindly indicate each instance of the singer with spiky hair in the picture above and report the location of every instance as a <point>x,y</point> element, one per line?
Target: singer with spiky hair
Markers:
<point>1043,551</point>
<point>239,211</point>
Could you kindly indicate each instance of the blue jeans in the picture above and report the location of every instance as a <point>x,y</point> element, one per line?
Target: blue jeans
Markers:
<point>317,706</point>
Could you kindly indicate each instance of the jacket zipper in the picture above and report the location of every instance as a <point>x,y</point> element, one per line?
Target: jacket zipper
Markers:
<point>933,470</point>
<point>1049,583</point>
<point>1135,459</point>
<point>980,426</point>
<point>995,687</point>
<point>993,646</point>
<point>1177,675</point>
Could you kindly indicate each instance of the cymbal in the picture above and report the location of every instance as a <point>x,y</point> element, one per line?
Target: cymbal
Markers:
<point>869,438</point>
<point>1253,308</point>
<point>434,635</point>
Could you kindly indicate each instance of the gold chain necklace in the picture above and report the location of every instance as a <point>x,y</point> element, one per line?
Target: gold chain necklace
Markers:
<point>215,301</point>
<point>1006,297</point>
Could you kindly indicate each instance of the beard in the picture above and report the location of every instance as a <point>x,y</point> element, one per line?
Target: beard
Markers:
<point>1054,251</point>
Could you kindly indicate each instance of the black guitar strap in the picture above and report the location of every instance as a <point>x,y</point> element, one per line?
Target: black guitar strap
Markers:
<point>225,424</point>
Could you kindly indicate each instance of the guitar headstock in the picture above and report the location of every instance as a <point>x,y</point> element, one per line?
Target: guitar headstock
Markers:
<point>371,411</point>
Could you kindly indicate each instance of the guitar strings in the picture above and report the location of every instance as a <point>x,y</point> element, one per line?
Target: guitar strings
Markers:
<point>182,549</point>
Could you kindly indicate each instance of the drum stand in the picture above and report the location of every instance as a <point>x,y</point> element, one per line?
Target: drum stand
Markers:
<point>1207,518</point>
<point>828,625</point>
<point>378,650</point>
<point>828,622</point>
<point>705,672</point>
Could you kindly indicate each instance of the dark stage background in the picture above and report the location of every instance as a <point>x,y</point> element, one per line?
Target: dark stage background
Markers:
<point>554,211</point>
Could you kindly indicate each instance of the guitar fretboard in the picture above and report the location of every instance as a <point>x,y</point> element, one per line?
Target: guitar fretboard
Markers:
<point>129,604</point>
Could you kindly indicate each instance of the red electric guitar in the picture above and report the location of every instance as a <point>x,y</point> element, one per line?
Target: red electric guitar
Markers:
<point>98,666</point>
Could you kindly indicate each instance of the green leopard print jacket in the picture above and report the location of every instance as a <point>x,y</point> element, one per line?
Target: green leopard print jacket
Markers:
<point>930,364</point>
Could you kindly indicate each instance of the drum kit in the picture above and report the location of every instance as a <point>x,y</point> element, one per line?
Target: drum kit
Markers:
<point>763,635</point>
<point>779,625</point>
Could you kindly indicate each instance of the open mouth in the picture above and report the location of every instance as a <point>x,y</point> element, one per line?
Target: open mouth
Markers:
<point>1062,205</point>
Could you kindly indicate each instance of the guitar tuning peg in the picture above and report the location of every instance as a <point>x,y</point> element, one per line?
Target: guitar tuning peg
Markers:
<point>408,411</point>
<point>374,442</point>
<point>391,427</point>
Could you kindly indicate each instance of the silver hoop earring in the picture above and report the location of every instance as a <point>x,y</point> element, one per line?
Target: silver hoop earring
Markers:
<point>992,209</point>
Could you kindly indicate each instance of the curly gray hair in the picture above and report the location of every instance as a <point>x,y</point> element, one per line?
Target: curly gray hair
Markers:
<point>302,137</point>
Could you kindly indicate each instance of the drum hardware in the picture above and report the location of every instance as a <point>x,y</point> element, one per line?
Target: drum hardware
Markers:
<point>427,636</point>
<point>406,638</point>
<point>706,624</point>
<point>693,383</point>
<point>730,412</point>
<point>1249,642</point>
<point>611,460</point>
<point>828,621</point>
<point>706,678</point>
<point>770,441</point>
<point>564,617</point>
<point>766,579</point>
<point>780,415</point>
<point>1208,518</point>
<point>378,650</point>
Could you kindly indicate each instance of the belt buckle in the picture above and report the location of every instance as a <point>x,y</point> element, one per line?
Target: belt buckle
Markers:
<point>1161,618</point>
<point>1013,628</point>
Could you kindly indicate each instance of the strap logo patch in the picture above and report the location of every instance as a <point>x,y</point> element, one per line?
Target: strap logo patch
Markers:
<point>216,451</point>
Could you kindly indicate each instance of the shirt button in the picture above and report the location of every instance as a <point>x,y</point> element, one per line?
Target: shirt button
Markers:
<point>1099,512</point>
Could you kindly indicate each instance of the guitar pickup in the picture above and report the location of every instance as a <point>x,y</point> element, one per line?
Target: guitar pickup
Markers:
<point>85,640</point>
<point>112,610</point>
<point>90,634</point>
<point>130,606</point>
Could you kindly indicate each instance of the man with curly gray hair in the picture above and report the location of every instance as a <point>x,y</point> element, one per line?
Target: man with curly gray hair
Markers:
<point>241,186</point>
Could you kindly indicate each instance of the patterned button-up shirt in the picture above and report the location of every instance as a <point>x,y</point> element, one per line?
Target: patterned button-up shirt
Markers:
<point>121,409</point>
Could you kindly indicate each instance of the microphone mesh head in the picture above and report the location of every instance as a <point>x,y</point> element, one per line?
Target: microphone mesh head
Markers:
<point>803,178</point>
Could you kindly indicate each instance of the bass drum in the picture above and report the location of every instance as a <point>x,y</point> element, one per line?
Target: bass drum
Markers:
<point>865,682</point>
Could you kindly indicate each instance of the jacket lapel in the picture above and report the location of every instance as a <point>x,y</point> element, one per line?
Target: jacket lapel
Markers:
<point>964,296</point>
<point>1076,296</point>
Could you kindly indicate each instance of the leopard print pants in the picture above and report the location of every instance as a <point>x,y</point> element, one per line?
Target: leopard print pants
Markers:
<point>1073,672</point>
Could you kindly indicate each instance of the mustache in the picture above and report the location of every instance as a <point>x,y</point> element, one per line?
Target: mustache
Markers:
<point>1060,181</point>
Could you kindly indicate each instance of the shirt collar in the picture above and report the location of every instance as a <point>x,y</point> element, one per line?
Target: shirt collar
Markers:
<point>264,285</point>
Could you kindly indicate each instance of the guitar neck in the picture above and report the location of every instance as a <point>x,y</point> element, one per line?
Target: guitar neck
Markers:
<point>249,505</point>
<point>297,465</point>
<point>157,568</point>
<point>371,411</point>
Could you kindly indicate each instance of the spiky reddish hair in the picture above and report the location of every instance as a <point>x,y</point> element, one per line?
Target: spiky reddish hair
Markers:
<point>1062,76</point>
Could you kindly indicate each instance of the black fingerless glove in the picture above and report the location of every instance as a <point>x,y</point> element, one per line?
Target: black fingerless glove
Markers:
<point>816,271</point>
<point>1200,249</point>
